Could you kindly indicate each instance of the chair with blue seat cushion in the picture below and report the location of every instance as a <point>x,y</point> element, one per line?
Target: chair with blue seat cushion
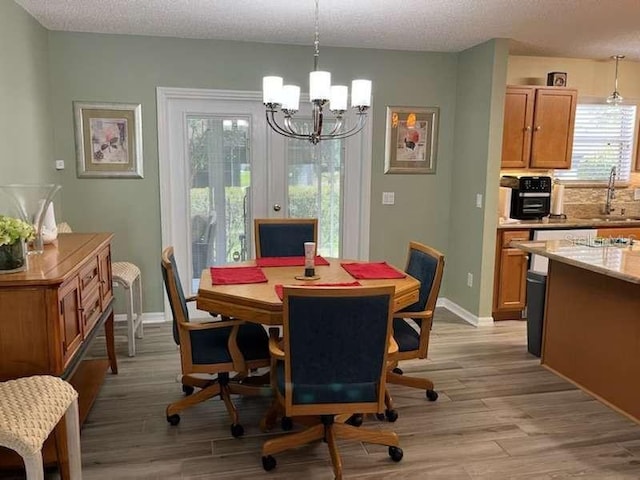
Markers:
<point>284,237</point>
<point>214,347</point>
<point>333,364</point>
<point>412,325</point>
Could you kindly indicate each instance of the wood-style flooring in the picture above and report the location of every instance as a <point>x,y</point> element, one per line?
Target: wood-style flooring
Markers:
<point>500,415</point>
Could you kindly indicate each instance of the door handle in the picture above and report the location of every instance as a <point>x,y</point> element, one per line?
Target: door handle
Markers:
<point>276,207</point>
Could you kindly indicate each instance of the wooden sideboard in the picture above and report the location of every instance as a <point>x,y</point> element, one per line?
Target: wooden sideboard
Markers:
<point>49,314</point>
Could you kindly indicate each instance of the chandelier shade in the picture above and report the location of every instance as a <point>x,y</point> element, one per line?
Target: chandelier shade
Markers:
<point>286,98</point>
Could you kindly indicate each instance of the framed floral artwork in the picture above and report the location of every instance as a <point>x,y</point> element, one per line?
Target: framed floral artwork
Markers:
<point>108,140</point>
<point>411,140</point>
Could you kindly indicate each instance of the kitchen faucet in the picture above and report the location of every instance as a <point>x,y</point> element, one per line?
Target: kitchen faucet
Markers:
<point>611,191</point>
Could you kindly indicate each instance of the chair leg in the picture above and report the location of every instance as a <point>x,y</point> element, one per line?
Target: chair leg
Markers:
<point>379,437</point>
<point>131,340</point>
<point>72,423</point>
<point>250,390</point>
<point>138,310</point>
<point>330,435</point>
<point>231,408</point>
<point>414,382</point>
<point>34,466</point>
<point>186,402</point>
<point>292,440</point>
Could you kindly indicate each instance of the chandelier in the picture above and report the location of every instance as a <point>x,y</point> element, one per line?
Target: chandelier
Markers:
<point>615,98</point>
<point>287,98</point>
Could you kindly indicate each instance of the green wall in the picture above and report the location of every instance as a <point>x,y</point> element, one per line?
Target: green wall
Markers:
<point>478,133</point>
<point>118,68</point>
<point>25,120</point>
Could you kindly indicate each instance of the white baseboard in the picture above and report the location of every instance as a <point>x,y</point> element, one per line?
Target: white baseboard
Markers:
<point>147,317</point>
<point>463,313</point>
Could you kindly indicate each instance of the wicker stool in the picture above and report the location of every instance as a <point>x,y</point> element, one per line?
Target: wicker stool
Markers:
<point>30,409</point>
<point>127,275</point>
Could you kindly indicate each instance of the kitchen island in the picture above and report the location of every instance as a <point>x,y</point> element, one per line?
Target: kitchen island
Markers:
<point>592,318</point>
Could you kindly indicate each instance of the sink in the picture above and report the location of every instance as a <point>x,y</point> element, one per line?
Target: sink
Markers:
<point>611,218</point>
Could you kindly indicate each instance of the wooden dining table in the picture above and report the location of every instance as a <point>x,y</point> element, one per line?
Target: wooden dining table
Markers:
<point>259,302</point>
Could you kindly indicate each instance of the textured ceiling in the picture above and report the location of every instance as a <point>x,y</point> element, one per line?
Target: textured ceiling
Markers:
<point>593,29</point>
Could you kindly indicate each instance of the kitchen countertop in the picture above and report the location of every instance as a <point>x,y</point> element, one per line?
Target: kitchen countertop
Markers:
<point>569,223</point>
<point>621,262</point>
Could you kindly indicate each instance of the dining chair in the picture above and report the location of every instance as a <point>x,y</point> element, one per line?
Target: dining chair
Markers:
<point>332,365</point>
<point>216,348</point>
<point>284,237</point>
<point>427,265</point>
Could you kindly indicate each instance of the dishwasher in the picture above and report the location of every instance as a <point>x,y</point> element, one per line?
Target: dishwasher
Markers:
<point>537,284</point>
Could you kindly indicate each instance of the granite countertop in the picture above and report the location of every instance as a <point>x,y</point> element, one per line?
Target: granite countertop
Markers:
<point>570,222</point>
<point>617,261</point>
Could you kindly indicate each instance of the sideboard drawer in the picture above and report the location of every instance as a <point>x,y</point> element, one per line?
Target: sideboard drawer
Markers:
<point>89,276</point>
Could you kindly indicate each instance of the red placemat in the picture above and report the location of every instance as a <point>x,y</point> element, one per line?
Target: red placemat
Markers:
<point>288,261</point>
<point>372,270</point>
<point>280,291</point>
<point>236,275</point>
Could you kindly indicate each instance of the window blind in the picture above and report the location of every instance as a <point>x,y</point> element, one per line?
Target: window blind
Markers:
<point>602,138</point>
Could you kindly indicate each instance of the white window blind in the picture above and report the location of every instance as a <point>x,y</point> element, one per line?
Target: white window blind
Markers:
<point>603,138</point>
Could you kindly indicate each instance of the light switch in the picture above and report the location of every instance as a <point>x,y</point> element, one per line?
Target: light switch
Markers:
<point>479,200</point>
<point>636,194</point>
<point>388,198</point>
<point>59,164</point>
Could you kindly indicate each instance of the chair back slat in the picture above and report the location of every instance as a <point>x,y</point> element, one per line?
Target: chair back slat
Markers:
<point>284,237</point>
<point>173,286</point>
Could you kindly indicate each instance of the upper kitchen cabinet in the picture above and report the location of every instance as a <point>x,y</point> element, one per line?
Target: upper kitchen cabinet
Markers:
<point>538,127</point>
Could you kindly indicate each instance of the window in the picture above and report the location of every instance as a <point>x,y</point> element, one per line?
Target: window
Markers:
<point>603,138</point>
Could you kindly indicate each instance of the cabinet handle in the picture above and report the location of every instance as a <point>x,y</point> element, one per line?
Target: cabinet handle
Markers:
<point>538,128</point>
<point>527,128</point>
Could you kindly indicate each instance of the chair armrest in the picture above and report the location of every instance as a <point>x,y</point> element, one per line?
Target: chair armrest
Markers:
<point>274,347</point>
<point>393,346</point>
<point>420,314</point>
<point>209,325</point>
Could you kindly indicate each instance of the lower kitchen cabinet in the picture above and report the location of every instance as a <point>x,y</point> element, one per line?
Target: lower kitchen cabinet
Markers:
<point>510,279</point>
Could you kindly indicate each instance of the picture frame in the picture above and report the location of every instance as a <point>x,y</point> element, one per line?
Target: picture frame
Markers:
<point>108,140</point>
<point>411,143</point>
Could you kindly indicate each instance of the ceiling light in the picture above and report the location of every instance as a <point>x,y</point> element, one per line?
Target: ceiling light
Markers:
<point>287,97</point>
<point>615,98</point>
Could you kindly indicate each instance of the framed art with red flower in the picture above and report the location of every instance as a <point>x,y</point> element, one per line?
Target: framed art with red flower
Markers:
<point>411,139</point>
<point>108,140</point>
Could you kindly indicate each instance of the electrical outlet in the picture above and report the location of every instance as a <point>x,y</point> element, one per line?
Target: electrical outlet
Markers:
<point>388,198</point>
<point>59,164</point>
<point>469,279</point>
<point>479,200</point>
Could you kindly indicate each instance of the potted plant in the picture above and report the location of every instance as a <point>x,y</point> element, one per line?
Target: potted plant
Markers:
<point>14,234</point>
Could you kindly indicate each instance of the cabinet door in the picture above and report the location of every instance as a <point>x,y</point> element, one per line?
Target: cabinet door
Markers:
<point>516,134</point>
<point>554,117</point>
<point>70,318</point>
<point>512,287</point>
<point>106,286</point>
<point>620,232</point>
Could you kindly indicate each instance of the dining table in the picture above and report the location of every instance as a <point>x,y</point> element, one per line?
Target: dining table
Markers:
<point>260,303</point>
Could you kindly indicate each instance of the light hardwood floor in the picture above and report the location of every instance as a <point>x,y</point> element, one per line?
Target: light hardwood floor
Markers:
<point>500,415</point>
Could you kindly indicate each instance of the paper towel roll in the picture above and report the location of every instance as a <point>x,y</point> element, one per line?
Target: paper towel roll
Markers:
<point>504,203</point>
<point>557,199</point>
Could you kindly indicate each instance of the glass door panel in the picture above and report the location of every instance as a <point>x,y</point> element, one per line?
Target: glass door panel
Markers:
<point>219,186</point>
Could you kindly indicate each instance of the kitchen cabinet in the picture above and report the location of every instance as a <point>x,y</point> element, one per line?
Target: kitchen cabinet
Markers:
<point>510,279</point>
<point>538,127</point>
<point>620,232</point>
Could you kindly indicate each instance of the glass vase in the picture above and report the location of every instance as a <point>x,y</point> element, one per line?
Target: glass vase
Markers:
<point>31,203</point>
<point>13,257</point>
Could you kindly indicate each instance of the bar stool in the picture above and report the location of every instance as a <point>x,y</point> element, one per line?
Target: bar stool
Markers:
<point>30,409</point>
<point>127,275</point>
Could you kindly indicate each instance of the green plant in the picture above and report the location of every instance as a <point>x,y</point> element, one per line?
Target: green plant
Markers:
<point>13,229</point>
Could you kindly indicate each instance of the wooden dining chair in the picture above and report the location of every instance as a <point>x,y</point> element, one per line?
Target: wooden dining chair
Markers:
<point>215,348</point>
<point>284,237</point>
<point>332,365</point>
<point>427,265</point>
